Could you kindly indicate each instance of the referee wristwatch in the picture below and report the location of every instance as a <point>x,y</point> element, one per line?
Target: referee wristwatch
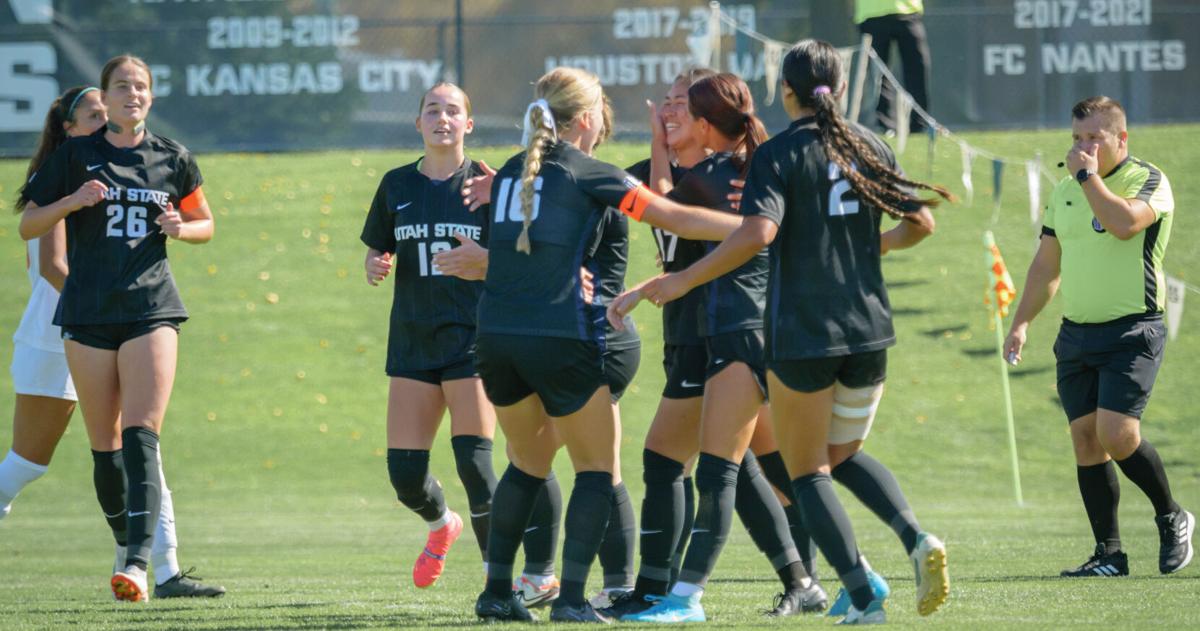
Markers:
<point>1082,175</point>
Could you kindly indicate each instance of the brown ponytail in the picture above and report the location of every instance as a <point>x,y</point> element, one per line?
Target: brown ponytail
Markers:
<point>54,134</point>
<point>724,101</point>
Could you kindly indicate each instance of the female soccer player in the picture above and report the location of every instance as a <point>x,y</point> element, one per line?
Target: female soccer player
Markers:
<point>416,213</point>
<point>820,187</point>
<point>540,343</point>
<point>120,311</point>
<point>45,394</point>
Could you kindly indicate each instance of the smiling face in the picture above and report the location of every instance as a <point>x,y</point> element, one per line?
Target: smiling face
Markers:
<point>676,119</point>
<point>89,115</point>
<point>445,117</point>
<point>127,95</point>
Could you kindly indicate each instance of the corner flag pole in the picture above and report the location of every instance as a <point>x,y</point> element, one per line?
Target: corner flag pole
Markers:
<point>1000,288</point>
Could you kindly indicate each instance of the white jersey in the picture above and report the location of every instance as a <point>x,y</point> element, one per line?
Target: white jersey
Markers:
<point>37,327</point>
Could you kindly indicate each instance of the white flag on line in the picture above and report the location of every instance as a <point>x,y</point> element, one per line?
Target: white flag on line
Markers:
<point>904,108</point>
<point>1175,292</point>
<point>1033,175</point>
<point>772,60</point>
<point>968,185</point>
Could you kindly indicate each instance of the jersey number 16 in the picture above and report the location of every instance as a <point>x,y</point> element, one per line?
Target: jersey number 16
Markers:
<point>508,207</point>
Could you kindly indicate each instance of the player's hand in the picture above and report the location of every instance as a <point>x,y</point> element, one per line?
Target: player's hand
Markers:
<point>658,130</point>
<point>1083,158</point>
<point>477,190</point>
<point>88,194</point>
<point>468,261</point>
<point>589,286</point>
<point>621,306</point>
<point>658,262</point>
<point>170,221</point>
<point>664,289</point>
<point>1013,345</point>
<point>735,197</point>
<point>378,268</point>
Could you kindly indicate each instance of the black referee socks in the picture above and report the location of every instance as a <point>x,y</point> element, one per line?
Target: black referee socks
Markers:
<point>1145,469</point>
<point>763,515</point>
<point>587,519</point>
<point>415,488</point>
<point>515,494</point>
<point>473,458</point>
<point>1101,492</point>
<point>662,521</point>
<point>875,486</point>
<point>139,449</point>
<point>541,533</point>
<point>716,485</point>
<point>108,476</point>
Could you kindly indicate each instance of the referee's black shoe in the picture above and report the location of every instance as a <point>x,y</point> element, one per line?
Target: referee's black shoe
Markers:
<point>1174,540</point>
<point>1101,564</point>
<point>811,599</point>
<point>492,608</point>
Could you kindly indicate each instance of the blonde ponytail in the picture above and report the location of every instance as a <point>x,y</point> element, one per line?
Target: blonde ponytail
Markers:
<point>542,134</point>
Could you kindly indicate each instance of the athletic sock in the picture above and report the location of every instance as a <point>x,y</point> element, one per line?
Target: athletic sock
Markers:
<point>776,473</point>
<point>716,486</point>
<point>541,533</point>
<point>162,553</point>
<point>473,458</point>
<point>516,492</point>
<point>15,474</point>
<point>1101,492</point>
<point>108,476</point>
<point>139,450</point>
<point>662,522</point>
<point>415,488</point>
<point>830,528</point>
<point>875,486</point>
<point>763,516</point>
<point>1145,469</point>
<point>620,539</point>
<point>587,519</point>
<point>685,533</point>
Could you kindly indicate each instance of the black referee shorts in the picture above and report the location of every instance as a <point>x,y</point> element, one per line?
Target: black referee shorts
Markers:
<point>685,368</point>
<point>564,373</point>
<point>737,346</point>
<point>620,365</point>
<point>1111,365</point>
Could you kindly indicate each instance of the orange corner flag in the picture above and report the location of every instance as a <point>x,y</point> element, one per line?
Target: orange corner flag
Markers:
<point>1001,287</point>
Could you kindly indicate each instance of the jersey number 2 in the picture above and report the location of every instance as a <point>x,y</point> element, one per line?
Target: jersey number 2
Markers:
<point>839,203</point>
<point>133,218</point>
<point>508,207</point>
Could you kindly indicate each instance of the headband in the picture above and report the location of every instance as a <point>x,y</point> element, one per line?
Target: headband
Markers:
<point>71,110</point>
<point>822,89</point>
<point>547,121</point>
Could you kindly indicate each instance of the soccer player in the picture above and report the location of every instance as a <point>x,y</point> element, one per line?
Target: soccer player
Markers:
<point>45,394</point>
<point>417,213</point>
<point>814,193</point>
<point>120,311</point>
<point>540,343</point>
<point>1103,239</point>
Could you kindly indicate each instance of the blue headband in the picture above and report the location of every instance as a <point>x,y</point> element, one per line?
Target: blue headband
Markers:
<point>71,110</point>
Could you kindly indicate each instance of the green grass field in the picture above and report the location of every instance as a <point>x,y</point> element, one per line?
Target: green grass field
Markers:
<point>274,442</point>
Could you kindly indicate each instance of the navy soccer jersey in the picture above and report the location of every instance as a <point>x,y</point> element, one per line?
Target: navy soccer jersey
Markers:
<point>827,296</point>
<point>414,218</point>
<point>608,262</point>
<point>116,252</point>
<point>681,317</point>
<point>735,301</point>
<point>540,293</point>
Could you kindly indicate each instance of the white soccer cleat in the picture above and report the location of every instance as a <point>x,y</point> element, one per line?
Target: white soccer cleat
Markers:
<point>130,585</point>
<point>933,580</point>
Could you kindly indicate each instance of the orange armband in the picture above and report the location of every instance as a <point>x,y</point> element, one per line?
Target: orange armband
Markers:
<point>635,201</point>
<point>194,200</point>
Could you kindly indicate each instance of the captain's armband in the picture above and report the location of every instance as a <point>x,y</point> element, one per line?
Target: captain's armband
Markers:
<point>635,201</point>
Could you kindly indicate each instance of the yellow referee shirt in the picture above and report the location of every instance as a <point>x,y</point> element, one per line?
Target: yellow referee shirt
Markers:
<point>1105,278</point>
<point>867,9</point>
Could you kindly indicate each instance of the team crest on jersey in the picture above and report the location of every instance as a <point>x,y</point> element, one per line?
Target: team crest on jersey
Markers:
<point>1096,225</point>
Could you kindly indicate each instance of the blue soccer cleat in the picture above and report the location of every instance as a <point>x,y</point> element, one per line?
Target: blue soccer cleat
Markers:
<point>673,608</point>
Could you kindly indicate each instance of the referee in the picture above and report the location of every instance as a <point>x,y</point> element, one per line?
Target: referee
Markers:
<point>898,21</point>
<point>1103,238</point>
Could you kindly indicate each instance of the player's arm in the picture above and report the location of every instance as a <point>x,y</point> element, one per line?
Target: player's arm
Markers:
<point>689,222</point>
<point>1041,284</point>
<point>38,220</point>
<point>192,223</point>
<point>913,230</point>
<point>52,256</point>
<point>1122,218</point>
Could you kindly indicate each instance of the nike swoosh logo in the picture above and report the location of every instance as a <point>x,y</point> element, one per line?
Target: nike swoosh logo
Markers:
<point>649,532</point>
<point>531,529</point>
<point>93,167</point>
<point>699,530</point>
<point>687,384</point>
<point>483,514</point>
<point>718,361</point>
<point>113,516</point>
<point>146,512</point>
<point>404,205</point>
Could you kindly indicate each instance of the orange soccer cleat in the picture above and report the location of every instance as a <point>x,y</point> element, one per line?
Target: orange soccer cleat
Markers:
<point>428,568</point>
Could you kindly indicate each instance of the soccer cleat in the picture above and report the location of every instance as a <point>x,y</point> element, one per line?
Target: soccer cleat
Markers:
<point>1175,540</point>
<point>809,599</point>
<point>607,596</point>
<point>933,580</point>
<point>491,608</point>
<point>428,568</point>
<point>672,608</point>
<point>130,585</point>
<point>628,604</point>
<point>534,593</point>
<point>841,603</point>
<point>873,614</point>
<point>187,585</point>
<point>1101,564</point>
<point>562,612</point>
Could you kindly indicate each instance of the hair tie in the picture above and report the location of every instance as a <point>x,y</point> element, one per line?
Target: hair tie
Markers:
<point>547,121</point>
<point>822,89</point>
<point>71,110</point>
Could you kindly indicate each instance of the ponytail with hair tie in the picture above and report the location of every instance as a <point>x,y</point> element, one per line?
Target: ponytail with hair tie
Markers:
<point>822,89</point>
